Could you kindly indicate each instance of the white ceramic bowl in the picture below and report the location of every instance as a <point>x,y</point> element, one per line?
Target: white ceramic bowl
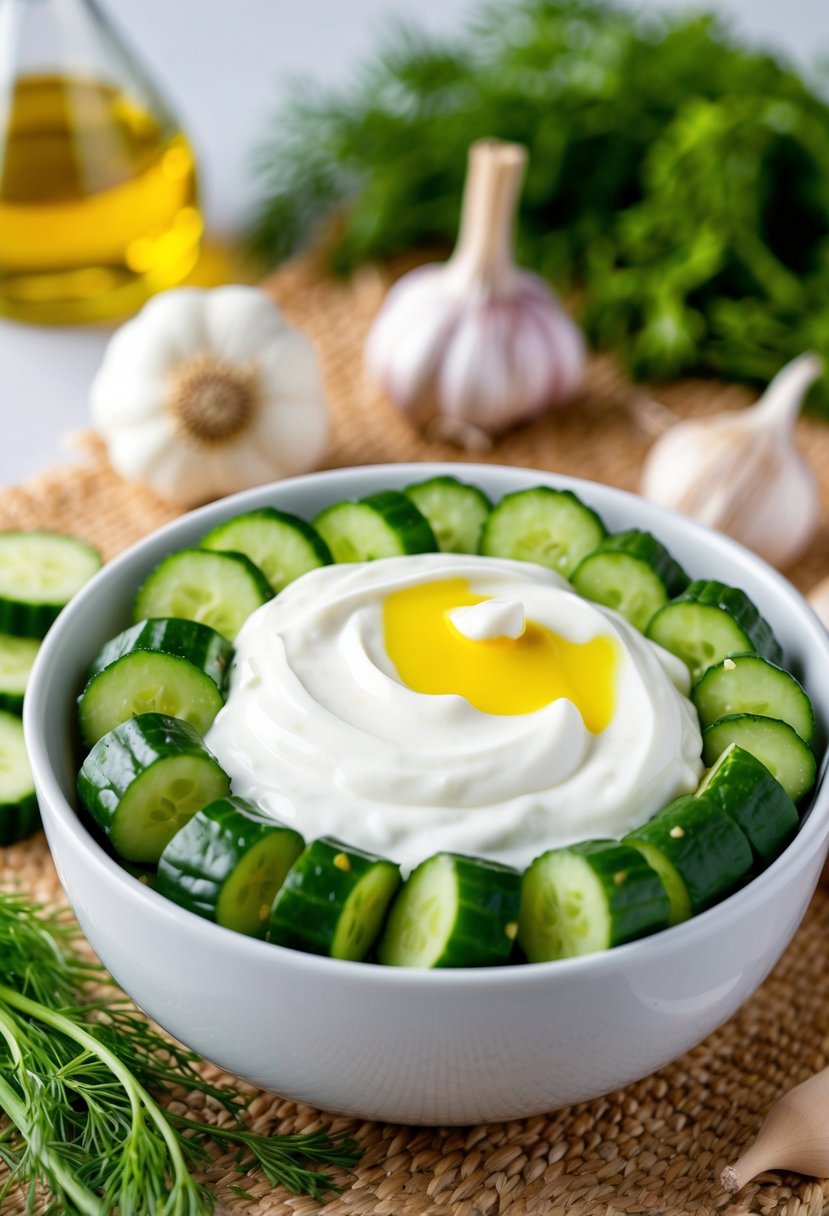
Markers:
<point>412,1046</point>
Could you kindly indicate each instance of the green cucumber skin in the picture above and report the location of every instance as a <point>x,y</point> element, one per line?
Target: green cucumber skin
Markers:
<point>399,515</point>
<point>19,820</point>
<point>639,905</point>
<point>307,909</point>
<point>196,864</point>
<point>127,752</point>
<point>741,609</point>
<point>217,538</point>
<point>711,855</point>
<point>711,685</point>
<point>174,635</point>
<point>645,547</point>
<point>746,791</point>
<point>423,493</point>
<point>12,702</point>
<point>717,736</point>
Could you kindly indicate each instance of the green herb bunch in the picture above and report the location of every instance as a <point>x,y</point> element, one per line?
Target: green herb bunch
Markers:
<point>680,181</point>
<point>80,1073</point>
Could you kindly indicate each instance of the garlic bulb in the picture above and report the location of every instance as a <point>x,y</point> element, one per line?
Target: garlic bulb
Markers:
<point>818,597</point>
<point>741,472</point>
<point>208,392</point>
<point>475,341</point>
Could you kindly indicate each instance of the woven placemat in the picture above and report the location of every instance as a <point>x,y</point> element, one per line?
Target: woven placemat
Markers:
<point>655,1148</point>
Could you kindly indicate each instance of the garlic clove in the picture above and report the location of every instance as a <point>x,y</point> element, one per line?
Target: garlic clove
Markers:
<point>742,473</point>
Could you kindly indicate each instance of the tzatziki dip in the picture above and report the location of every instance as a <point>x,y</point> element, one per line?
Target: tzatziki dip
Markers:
<point>447,702</point>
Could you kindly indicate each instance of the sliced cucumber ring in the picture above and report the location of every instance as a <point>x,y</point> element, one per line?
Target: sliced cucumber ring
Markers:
<point>550,527</point>
<point>453,911</point>
<point>588,897</point>
<point>632,573</point>
<point>456,512</point>
<point>227,864</point>
<point>19,814</point>
<point>709,622</point>
<point>39,574</point>
<point>144,780</point>
<point>773,742</point>
<point>283,546</point>
<point>218,589</point>
<point>745,789</point>
<point>333,900</point>
<point>17,655</point>
<point>749,684</point>
<point>383,525</point>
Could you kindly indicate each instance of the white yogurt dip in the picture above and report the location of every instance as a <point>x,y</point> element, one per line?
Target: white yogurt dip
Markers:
<point>320,731</point>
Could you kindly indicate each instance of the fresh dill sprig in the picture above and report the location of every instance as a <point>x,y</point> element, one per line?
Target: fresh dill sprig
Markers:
<point>80,1073</point>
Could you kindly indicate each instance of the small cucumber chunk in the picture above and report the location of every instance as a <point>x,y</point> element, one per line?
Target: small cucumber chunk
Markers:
<point>632,573</point>
<point>168,666</point>
<point>772,742</point>
<point>456,512</point>
<point>453,911</point>
<point>39,574</point>
<point>17,655</point>
<point>749,684</point>
<point>283,546</point>
<point>708,623</point>
<point>218,589</point>
<point>19,815</point>
<point>745,789</point>
<point>227,864</point>
<point>145,779</point>
<point>588,897</point>
<point>699,852</point>
<point>383,525</point>
<point>334,900</point>
<point>550,527</point>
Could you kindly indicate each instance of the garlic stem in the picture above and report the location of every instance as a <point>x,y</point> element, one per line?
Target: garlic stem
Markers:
<point>484,249</point>
<point>782,400</point>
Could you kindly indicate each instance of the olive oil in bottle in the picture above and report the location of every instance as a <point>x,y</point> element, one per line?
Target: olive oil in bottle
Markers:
<point>98,204</point>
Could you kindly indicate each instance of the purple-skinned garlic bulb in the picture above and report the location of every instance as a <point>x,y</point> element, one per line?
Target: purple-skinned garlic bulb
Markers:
<point>472,346</point>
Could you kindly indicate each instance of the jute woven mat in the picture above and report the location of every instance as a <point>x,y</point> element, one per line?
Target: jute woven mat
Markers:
<point>655,1148</point>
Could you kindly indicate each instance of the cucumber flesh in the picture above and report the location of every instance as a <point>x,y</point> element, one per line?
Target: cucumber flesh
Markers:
<point>19,815</point>
<point>383,525</point>
<point>283,546</point>
<point>453,911</point>
<point>749,684</point>
<point>586,898</point>
<point>550,527</point>
<point>17,655</point>
<point>745,789</point>
<point>218,589</point>
<point>773,742</point>
<point>632,573</point>
<point>39,574</point>
<point>456,512</point>
<point>172,635</point>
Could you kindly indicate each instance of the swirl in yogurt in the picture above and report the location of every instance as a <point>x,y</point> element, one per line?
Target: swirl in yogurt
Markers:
<point>323,730</point>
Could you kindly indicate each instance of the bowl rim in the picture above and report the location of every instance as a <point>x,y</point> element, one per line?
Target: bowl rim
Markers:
<point>811,836</point>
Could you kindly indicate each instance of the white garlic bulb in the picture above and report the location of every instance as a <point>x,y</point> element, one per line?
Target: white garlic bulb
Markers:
<point>475,342</point>
<point>741,471</point>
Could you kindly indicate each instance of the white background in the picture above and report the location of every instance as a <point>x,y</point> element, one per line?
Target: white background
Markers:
<point>224,64</point>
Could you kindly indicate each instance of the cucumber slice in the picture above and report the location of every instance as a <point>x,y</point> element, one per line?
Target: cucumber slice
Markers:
<point>453,911</point>
<point>456,512</point>
<point>550,527</point>
<point>709,622</point>
<point>144,780</point>
<point>333,900</point>
<point>697,850</point>
<point>772,742</point>
<point>16,658</point>
<point>218,589</point>
<point>383,525</point>
<point>283,546</point>
<point>172,635</point>
<point>19,815</point>
<point>745,789</point>
<point>749,684</point>
<point>588,897</point>
<point>227,864</point>
<point>632,573</point>
<point>145,682</point>
<point>39,574</point>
